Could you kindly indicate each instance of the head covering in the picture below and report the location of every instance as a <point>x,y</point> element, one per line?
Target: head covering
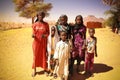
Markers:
<point>81,18</point>
<point>40,13</point>
<point>64,16</point>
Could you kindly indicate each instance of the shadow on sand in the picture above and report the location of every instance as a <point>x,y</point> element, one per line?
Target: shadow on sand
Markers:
<point>98,68</point>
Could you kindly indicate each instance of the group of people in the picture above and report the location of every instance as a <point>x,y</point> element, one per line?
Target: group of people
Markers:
<point>56,49</point>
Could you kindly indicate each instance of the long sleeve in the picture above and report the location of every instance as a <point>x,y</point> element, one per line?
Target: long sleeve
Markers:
<point>33,27</point>
<point>56,54</point>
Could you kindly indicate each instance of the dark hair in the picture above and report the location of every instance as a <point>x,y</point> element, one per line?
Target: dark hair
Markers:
<point>91,29</point>
<point>52,28</point>
<point>64,16</point>
<point>40,13</point>
<point>81,19</point>
<point>64,32</point>
<point>36,20</point>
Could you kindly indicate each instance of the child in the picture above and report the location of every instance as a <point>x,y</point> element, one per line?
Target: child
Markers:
<point>62,25</point>
<point>61,56</point>
<point>79,36</point>
<point>52,40</point>
<point>91,50</point>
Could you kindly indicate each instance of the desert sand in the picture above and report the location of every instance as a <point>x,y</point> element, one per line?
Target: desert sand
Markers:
<point>16,56</point>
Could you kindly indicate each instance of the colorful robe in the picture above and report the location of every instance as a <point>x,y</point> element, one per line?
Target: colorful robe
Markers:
<point>40,44</point>
<point>79,35</point>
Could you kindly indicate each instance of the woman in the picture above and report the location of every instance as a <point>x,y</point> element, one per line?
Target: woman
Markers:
<point>40,35</point>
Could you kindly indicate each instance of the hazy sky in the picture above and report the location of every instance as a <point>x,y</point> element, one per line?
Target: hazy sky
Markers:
<point>71,8</point>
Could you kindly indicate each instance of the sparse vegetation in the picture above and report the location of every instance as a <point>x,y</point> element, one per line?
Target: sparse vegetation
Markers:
<point>113,13</point>
<point>12,25</point>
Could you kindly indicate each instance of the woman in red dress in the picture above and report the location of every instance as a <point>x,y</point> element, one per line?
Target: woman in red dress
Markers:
<point>40,35</point>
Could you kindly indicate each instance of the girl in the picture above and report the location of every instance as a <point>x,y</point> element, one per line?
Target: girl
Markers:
<point>79,36</point>
<point>52,40</point>
<point>62,56</point>
<point>40,35</point>
<point>91,50</point>
<point>62,25</point>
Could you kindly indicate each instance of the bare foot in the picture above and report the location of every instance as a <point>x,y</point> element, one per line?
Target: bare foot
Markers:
<point>33,74</point>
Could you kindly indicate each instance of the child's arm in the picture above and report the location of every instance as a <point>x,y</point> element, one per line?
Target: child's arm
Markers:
<point>68,50</point>
<point>70,45</point>
<point>84,44</point>
<point>96,47</point>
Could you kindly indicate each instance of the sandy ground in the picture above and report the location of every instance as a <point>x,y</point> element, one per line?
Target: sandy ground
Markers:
<point>16,56</point>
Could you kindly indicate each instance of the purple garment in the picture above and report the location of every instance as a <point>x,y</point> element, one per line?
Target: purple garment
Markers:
<point>78,41</point>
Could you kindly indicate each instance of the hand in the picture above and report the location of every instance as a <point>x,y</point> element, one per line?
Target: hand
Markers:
<point>43,35</point>
<point>71,49</point>
<point>83,47</point>
<point>57,62</point>
<point>33,36</point>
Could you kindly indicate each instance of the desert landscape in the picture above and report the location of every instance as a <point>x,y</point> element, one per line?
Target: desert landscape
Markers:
<point>16,19</point>
<point>16,56</point>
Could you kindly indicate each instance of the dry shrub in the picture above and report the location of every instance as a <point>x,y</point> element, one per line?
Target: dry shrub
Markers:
<point>12,25</point>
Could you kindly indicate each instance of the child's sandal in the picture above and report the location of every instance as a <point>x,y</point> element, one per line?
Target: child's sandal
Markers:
<point>55,76</point>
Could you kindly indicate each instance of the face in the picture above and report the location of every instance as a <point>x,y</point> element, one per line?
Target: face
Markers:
<point>63,21</point>
<point>63,36</point>
<point>78,20</point>
<point>40,17</point>
<point>91,33</point>
<point>52,31</point>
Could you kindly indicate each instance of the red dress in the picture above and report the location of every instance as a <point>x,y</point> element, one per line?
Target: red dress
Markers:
<point>40,44</point>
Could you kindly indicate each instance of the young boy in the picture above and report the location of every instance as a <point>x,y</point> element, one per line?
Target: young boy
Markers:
<point>91,50</point>
<point>62,56</point>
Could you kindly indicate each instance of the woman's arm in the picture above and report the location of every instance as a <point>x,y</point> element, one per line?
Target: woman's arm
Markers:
<point>34,31</point>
